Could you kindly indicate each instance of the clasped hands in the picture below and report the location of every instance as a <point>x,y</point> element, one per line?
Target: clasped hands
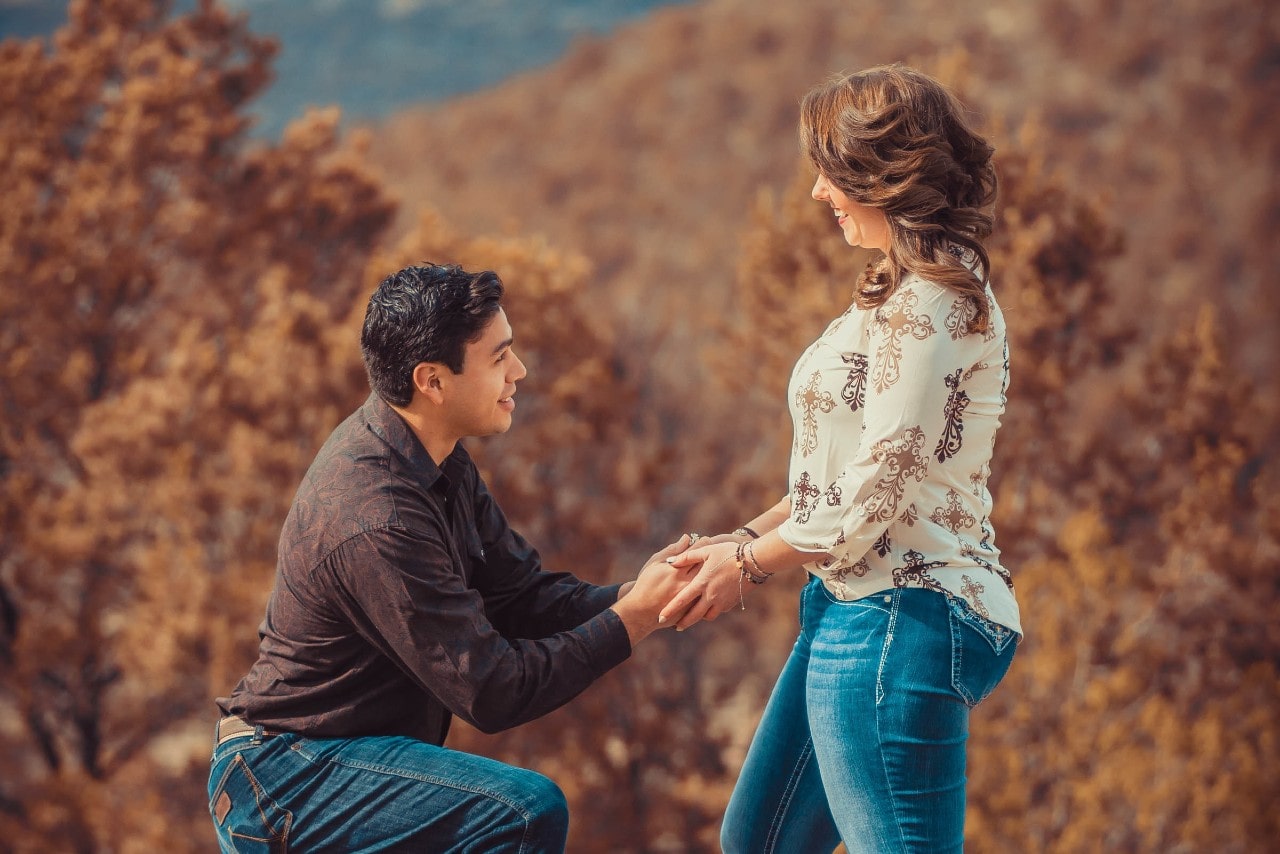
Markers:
<point>693,579</point>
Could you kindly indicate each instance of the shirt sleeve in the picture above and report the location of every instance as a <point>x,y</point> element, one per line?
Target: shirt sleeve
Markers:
<point>915,361</point>
<point>406,597</point>
<point>523,599</point>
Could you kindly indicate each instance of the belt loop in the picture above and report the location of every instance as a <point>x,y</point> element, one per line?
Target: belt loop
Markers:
<point>257,736</point>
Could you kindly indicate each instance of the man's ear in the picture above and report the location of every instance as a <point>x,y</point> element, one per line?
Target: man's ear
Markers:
<point>428,380</point>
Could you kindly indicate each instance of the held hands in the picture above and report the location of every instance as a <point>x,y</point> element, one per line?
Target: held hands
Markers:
<point>660,579</point>
<point>716,588</point>
<point>640,601</point>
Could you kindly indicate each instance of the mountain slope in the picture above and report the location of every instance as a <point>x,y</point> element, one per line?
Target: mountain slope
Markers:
<point>646,151</point>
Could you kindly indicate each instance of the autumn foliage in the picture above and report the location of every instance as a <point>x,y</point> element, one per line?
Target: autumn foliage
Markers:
<point>179,311</point>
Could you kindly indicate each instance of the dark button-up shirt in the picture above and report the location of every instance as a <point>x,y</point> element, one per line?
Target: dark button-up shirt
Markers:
<point>402,596</point>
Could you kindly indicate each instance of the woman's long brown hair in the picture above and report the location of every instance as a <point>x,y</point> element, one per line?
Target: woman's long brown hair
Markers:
<point>895,139</point>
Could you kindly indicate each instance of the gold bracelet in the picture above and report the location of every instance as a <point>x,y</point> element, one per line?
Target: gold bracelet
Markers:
<point>742,573</point>
<point>759,576</point>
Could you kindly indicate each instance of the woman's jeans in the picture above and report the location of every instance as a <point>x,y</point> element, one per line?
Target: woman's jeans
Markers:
<point>863,740</point>
<point>289,793</point>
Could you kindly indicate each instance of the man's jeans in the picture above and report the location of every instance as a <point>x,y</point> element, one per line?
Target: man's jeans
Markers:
<point>863,739</point>
<point>286,792</point>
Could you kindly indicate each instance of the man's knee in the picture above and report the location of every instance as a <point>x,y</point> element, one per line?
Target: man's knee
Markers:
<point>544,799</point>
<point>544,803</point>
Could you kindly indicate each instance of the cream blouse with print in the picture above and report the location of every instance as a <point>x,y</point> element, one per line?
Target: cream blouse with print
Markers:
<point>895,411</point>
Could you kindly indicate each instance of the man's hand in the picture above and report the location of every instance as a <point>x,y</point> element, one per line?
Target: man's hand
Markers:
<point>640,601</point>
<point>716,588</point>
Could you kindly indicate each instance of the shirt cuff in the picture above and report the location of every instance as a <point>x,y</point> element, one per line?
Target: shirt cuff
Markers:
<point>606,637</point>
<point>802,541</point>
<point>607,594</point>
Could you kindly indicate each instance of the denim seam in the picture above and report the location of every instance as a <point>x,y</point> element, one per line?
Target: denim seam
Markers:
<point>226,773</point>
<point>884,655</point>
<point>867,601</point>
<point>804,608</point>
<point>884,649</point>
<point>260,794</point>
<point>784,803</point>
<point>439,781</point>
<point>996,635</point>
<point>957,661</point>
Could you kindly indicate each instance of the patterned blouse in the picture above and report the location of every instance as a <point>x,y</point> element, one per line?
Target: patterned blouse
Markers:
<point>895,411</point>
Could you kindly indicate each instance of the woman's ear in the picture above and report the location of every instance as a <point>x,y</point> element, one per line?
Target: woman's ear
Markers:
<point>427,380</point>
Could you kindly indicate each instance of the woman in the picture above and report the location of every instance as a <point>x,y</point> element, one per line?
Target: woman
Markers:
<point>909,619</point>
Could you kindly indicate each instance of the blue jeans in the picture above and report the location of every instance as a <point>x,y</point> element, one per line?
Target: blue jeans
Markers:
<point>289,793</point>
<point>863,740</point>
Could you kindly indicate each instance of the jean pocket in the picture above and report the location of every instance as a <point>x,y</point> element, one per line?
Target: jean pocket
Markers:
<point>248,821</point>
<point>981,652</point>
<point>881,601</point>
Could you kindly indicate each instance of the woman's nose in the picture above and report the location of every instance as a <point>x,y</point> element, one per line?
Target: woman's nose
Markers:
<point>819,191</point>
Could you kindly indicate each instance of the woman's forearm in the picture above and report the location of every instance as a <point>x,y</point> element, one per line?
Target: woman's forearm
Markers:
<point>771,554</point>
<point>771,518</point>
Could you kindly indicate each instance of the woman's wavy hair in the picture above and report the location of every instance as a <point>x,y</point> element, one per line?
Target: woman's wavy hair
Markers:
<point>895,139</point>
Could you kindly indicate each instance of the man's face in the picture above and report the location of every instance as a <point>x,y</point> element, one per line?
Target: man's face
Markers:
<point>480,399</point>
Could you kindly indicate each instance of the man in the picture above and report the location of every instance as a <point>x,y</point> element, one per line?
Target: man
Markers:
<point>402,598</point>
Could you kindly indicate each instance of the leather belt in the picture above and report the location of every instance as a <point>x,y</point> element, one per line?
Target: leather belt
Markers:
<point>234,727</point>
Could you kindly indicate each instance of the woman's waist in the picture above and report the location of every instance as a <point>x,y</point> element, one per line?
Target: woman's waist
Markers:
<point>988,591</point>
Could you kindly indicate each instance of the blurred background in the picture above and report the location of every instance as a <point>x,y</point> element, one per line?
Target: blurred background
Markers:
<point>198,198</point>
<point>372,57</point>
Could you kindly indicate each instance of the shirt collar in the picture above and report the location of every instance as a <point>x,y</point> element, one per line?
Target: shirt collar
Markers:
<point>388,425</point>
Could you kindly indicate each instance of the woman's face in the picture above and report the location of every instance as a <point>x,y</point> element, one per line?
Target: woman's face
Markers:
<point>862,226</point>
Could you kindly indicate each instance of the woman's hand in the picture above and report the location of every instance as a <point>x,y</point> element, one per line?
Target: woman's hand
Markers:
<point>658,582</point>
<point>715,589</point>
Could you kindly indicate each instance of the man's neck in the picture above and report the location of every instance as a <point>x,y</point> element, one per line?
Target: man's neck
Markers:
<point>438,441</point>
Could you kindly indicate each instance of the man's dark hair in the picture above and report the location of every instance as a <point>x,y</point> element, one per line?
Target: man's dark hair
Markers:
<point>427,313</point>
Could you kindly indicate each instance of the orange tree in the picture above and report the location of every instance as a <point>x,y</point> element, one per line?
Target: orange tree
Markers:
<point>180,310</point>
<point>1140,514</point>
<point>181,313</point>
<point>167,294</point>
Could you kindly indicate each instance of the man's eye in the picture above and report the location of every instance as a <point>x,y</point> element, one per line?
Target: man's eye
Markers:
<point>503,356</point>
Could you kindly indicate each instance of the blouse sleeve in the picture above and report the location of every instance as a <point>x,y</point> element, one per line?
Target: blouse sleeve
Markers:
<point>916,358</point>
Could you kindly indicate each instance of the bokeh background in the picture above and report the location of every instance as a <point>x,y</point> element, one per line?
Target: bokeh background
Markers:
<point>197,199</point>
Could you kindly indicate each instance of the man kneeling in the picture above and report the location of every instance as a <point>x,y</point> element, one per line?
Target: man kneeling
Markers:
<point>401,598</point>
